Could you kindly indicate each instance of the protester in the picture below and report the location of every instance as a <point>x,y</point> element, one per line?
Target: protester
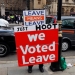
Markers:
<point>40,68</point>
<point>30,67</point>
<point>8,18</point>
<point>13,18</point>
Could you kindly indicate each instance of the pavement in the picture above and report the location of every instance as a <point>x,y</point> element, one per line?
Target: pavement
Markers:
<point>12,68</point>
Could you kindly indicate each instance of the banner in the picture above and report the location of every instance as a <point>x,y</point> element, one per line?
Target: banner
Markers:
<point>36,46</point>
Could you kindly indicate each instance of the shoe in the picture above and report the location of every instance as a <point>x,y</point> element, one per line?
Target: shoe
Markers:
<point>29,70</point>
<point>41,70</point>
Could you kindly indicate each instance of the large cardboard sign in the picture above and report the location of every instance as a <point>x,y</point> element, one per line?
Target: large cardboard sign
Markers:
<point>36,44</point>
<point>34,17</point>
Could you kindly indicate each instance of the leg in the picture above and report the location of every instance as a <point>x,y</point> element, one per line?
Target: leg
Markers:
<point>30,69</point>
<point>40,65</point>
<point>41,68</point>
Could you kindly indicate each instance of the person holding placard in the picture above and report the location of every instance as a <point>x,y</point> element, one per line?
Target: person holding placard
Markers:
<point>40,68</point>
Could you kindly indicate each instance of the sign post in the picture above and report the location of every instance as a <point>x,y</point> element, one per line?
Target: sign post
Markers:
<point>36,44</point>
<point>55,66</point>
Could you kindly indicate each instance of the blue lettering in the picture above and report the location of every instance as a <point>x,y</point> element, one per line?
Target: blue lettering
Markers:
<point>39,22</point>
<point>25,23</point>
<point>42,12</point>
<point>24,13</point>
<point>38,12</point>
<point>34,13</point>
<point>29,13</point>
<point>30,23</point>
<point>42,22</point>
<point>34,23</point>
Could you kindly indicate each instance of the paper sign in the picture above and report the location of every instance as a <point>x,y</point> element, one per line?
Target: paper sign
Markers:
<point>34,17</point>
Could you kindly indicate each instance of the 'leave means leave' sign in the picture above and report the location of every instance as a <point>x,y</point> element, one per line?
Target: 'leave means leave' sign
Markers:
<point>36,47</point>
<point>34,17</point>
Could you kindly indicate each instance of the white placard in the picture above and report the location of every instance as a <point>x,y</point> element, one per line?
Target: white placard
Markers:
<point>34,17</point>
<point>35,27</point>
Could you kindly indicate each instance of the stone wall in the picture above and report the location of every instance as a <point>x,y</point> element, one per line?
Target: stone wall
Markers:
<point>68,6</point>
<point>13,5</point>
